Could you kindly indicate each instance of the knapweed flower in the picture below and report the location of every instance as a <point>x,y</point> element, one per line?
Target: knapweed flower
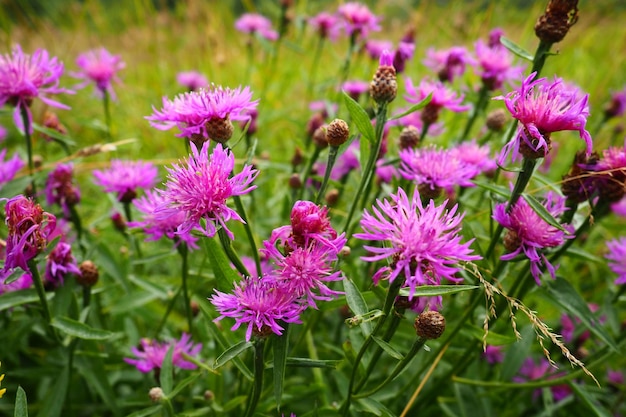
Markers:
<point>260,304</point>
<point>60,188</point>
<point>192,80</point>
<point>422,244</point>
<point>100,67</point>
<point>23,282</point>
<point>358,20</point>
<point>531,371</point>
<point>29,229</point>
<point>327,25</point>
<point>473,154</point>
<point>158,226</point>
<point>355,88</point>
<point>617,106</point>
<point>60,262</point>
<point>253,23</point>
<point>200,188</point>
<point>125,177</point>
<point>205,114</point>
<point>25,77</point>
<point>384,85</point>
<point>528,234</point>
<point>150,354</point>
<point>375,47</point>
<point>493,354</point>
<point>405,51</point>
<point>448,63</point>
<point>495,65</point>
<point>542,108</point>
<point>617,258</point>
<point>610,177</point>
<point>442,97</point>
<point>9,168</point>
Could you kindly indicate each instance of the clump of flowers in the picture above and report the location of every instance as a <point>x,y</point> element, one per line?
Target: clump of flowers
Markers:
<point>448,64</point>
<point>60,188</point>
<point>253,23</point>
<point>100,67</point>
<point>150,354</point>
<point>617,258</point>
<point>9,168</point>
<point>60,263</point>
<point>125,177</point>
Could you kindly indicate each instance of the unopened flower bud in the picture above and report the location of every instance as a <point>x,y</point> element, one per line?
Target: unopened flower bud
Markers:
<point>298,158</point>
<point>156,394</point>
<point>345,251</point>
<point>496,120</point>
<point>409,138</point>
<point>332,197</point>
<point>384,86</point>
<point>295,181</point>
<point>118,222</point>
<point>319,137</point>
<point>315,122</point>
<point>337,133</point>
<point>220,130</point>
<point>37,161</point>
<point>554,24</point>
<point>209,395</point>
<point>88,274</point>
<point>430,324</point>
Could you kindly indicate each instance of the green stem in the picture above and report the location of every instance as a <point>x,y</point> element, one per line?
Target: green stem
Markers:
<point>133,240</point>
<point>479,108</point>
<point>168,407</point>
<point>345,70</point>
<point>540,57</point>
<point>32,267</point>
<point>257,387</point>
<point>75,219</point>
<point>183,250</point>
<point>246,226</point>
<point>169,309</point>
<point>106,101</point>
<point>313,72</point>
<point>230,252</point>
<point>332,156</point>
<point>308,169</point>
<point>29,146</point>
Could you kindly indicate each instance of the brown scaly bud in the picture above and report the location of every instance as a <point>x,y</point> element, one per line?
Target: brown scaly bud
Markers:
<point>527,151</point>
<point>220,130</point>
<point>295,181</point>
<point>337,133</point>
<point>384,86</point>
<point>332,197</point>
<point>430,324</point>
<point>319,137</point>
<point>496,120</point>
<point>409,138</point>
<point>554,24</point>
<point>298,158</point>
<point>426,191</point>
<point>118,222</point>
<point>51,121</point>
<point>577,184</point>
<point>88,274</point>
<point>315,122</point>
<point>37,161</point>
<point>511,241</point>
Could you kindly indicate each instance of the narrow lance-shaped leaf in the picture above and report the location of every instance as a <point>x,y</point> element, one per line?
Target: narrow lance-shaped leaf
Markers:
<point>231,353</point>
<point>516,49</point>
<point>21,404</point>
<point>280,346</point>
<point>360,118</point>
<point>167,371</point>
<point>542,212</point>
<point>224,273</point>
<point>414,108</point>
<point>433,290</point>
<point>80,330</point>
<point>357,304</point>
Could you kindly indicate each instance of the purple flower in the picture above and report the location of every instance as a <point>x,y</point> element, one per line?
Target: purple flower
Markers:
<point>617,106</point>
<point>125,177</point>
<point>9,168</point>
<point>266,266</point>
<point>493,354</point>
<point>617,258</point>
<point>25,77</point>
<point>615,377</point>
<point>150,354</point>
<point>158,226</point>
<point>542,108</point>
<point>200,188</point>
<point>22,283</point>
<point>495,65</point>
<point>29,231</point>
<point>192,80</point>
<point>442,97</point>
<point>347,162</point>
<point>385,172</point>
<point>60,188</point>
<point>200,113</point>
<point>260,304</point>
<point>421,243</point>
<point>355,88</point>
<point>619,208</point>
<point>473,154</point>
<point>531,371</point>
<point>100,67</point>
<point>358,20</point>
<point>375,48</point>
<point>528,233</point>
<point>253,23</point>
<point>405,51</point>
<point>60,262</point>
<point>448,63</point>
<point>327,25</point>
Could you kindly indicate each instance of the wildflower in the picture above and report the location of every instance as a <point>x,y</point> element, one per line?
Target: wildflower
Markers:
<point>619,208</point>
<point>422,243</point>
<point>430,325</point>
<point>25,77</point>
<point>100,67</point>
<point>531,371</point>
<point>259,304</point>
<point>60,262</point>
<point>253,23</point>
<point>23,282</point>
<point>542,108</point>
<point>355,88</point>
<point>475,155</point>
<point>327,25</point>
<point>125,177</point>
<point>553,25</point>
<point>528,233</point>
<point>60,188</point>
<point>375,48</point>
<point>405,51</point>
<point>493,354</point>
<point>89,274</point>
<point>495,65</point>
<point>385,172</point>
<point>150,354</point>
<point>610,180</point>
<point>442,97</point>
<point>192,80</point>
<point>358,20</point>
<point>448,63</point>
<point>204,114</point>
<point>617,106</point>
<point>9,168</point>
<point>384,86</point>
<point>51,121</point>
<point>615,377</point>
<point>29,230</point>
<point>200,190</point>
<point>617,258</point>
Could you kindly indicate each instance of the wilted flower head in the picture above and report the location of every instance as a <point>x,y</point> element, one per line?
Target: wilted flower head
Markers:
<point>542,108</point>
<point>617,258</point>
<point>253,23</point>
<point>100,67</point>
<point>327,25</point>
<point>200,188</point>
<point>25,77</point>
<point>192,80</point>
<point>358,20</point>
<point>150,354</point>
<point>448,63</point>
<point>9,168</point>
<point>60,188</point>
<point>60,262</point>
<point>422,244</point>
<point>125,177</point>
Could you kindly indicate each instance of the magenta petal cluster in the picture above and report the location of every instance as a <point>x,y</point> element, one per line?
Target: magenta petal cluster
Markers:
<point>327,25</point>
<point>9,168</point>
<point>22,283</point>
<point>358,20</point>
<point>125,177</point>
<point>422,244</point>
<point>25,77</point>
<point>531,370</point>
<point>544,107</point>
<point>253,23</point>
<point>60,263</point>
<point>450,63</point>
<point>495,65</point>
<point>150,354</point>
<point>200,188</point>
<point>617,258</point>
<point>60,188</point>
<point>528,233</point>
<point>443,97</point>
<point>192,80</point>
<point>100,67</point>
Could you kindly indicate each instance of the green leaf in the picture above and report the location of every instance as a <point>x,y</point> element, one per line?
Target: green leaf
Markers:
<point>167,371</point>
<point>17,298</point>
<point>225,274</point>
<point>80,330</point>
<point>413,108</point>
<point>563,293</point>
<point>52,405</point>
<point>364,152</point>
<point>497,189</point>
<point>516,49</point>
<point>21,404</point>
<point>312,363</point>
<point>146,411</point>
<point>494,339</point>
<point>231,353</point>
<point>182,384</point>
<point>433,290</point>
<point>13,276</point>
<point>579,253</point>
<point>280,347</point>
<point>583,395</point>
<point>542,212</point>
<point>372,406</point>
<point>388,348</point>
<point>54,134</point>
<point>360,118</point>
<point>92,369</point>
<point>357,304</point>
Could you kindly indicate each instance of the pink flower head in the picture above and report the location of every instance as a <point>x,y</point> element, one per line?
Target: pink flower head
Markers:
<point>22,283</point>
<point>253,23</point>
<point>531,371</point>
<point>422,244</point>
<point>260,304</point>
<point>158,226</point>
<point>542,108</point>
<point>29,231</point>
<point>448,63</point>
<point>25,77</point>
<point>200,188</point>
<point>404,53</point>
<point>528,233</point>
<point>9,168</point>
<point>100,67</point>
<point>192,80</point>
<point>493,354</point>
<point>442,95</point>
<point>60,188</point>
<point>191,112</point>
<point>385,173</point>
<point>473,154</point>
<point>494,37</point>
<point>358,20</point>
<point>327,25</point>
<point>125,177</point>
<point>495,65</point>
<point>60,263</point>
<point>150,354</point>
<point>617,258</point>
<point>375,48</point>
<point>355,88</point>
